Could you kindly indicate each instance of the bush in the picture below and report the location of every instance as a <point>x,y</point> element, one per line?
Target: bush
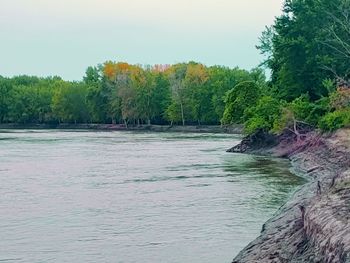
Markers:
<point>238,99</point>
<point>303,111</point>
<point>318,110</point>
<point>340,99</point>
<point>335,120</point>
<point>263,115</point>
<point>301,107</point>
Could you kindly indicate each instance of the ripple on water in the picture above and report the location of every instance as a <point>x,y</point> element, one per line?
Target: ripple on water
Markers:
<point>87,196</point>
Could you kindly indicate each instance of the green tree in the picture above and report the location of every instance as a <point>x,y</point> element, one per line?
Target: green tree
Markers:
<point>176,76</point>
<point>5,88</point>
<point>221,80</point>
<point>197,92</point>
<point>302,47</point>
<point>23,105</point>
<point>92,76</point>
<point>69,103</point>
<point>240,98</point>
<point>161,97</point>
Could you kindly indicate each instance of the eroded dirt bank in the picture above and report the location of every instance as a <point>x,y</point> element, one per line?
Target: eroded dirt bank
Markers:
<point>314,225</point>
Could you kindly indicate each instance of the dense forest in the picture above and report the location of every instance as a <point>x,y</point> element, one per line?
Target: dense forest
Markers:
<point>122,93</point>
<point>307,51</point>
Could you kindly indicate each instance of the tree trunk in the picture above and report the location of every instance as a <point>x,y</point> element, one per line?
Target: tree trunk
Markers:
<point>182,114</point>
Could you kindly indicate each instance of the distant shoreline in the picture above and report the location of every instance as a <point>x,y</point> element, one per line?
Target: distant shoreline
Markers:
<point>232,129</point>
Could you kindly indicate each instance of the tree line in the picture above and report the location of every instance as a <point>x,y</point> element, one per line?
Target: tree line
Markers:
<point>307,50</point>
<point>121,93</point>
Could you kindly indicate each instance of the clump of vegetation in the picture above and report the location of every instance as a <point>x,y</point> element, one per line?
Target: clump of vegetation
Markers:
<point>262,116</point>
<point>339,116</point>
<point>335,120</point>
<point>238,99</point>
<point>307,51</point>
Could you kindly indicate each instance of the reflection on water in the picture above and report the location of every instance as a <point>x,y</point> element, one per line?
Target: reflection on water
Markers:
<point>79,196</point>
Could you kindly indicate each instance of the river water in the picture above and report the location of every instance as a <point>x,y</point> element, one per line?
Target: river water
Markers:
<point>75,196</point>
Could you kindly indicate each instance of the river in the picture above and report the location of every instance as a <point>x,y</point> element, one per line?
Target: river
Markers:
<point>81,196</point>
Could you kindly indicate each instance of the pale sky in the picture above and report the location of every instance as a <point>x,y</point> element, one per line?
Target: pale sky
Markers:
<point>64,37</point>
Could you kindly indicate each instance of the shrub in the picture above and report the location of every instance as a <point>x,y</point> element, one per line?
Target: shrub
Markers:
<point>335,120</point>
<point>263,115</point>
<point>238,99</point>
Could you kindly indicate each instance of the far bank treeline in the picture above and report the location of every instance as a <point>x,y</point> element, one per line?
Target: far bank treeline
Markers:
<point>307,50</point>
<point>126,94</point>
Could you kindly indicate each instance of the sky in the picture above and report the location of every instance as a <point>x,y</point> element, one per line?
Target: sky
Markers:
<point>64,37</point>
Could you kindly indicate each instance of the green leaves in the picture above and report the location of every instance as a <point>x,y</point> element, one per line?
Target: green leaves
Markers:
<point>69,103</point>
<point>242,96</point>
<point>304,47</point>
<point>263,116</point>
<point>335,120</point>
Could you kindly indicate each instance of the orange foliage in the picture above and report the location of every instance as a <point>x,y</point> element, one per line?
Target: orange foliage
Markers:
<point>123,67</point>
<point>109,70</point>
<point>197,73</point>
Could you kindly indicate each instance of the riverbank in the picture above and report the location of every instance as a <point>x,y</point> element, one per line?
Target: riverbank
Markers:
<point>314,225</point>
<point>232,129</point>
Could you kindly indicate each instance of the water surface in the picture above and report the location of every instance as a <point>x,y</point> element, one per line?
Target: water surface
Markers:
<point>75,196</point>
